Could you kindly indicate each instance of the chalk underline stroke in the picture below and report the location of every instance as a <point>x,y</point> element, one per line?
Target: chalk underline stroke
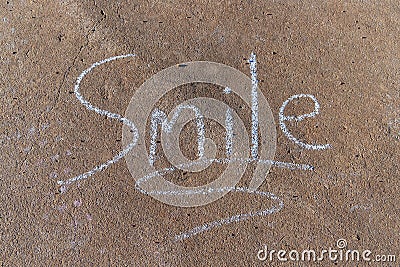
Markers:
<point>135,137</point>
<point>235,218</point>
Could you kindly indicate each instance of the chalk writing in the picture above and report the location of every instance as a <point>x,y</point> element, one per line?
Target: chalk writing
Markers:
<point>158,117</point>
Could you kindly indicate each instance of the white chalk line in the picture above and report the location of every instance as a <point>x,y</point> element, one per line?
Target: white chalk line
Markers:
<point>229,133</point>
<point>235,218</point>
<point>205,161</point>
<point>225,221</point>
<point>254,106</point>
<point>108,114</point>
<point>236,189</point>
<point>283,118</point>
<point>125,151</point>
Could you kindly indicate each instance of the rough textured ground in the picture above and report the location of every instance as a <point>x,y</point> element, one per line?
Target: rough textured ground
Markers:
<point>346,53</point>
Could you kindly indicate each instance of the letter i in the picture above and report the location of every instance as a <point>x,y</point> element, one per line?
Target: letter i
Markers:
<point>229,133</point>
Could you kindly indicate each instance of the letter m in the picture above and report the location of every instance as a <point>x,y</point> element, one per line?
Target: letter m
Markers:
<point>158,117</point>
